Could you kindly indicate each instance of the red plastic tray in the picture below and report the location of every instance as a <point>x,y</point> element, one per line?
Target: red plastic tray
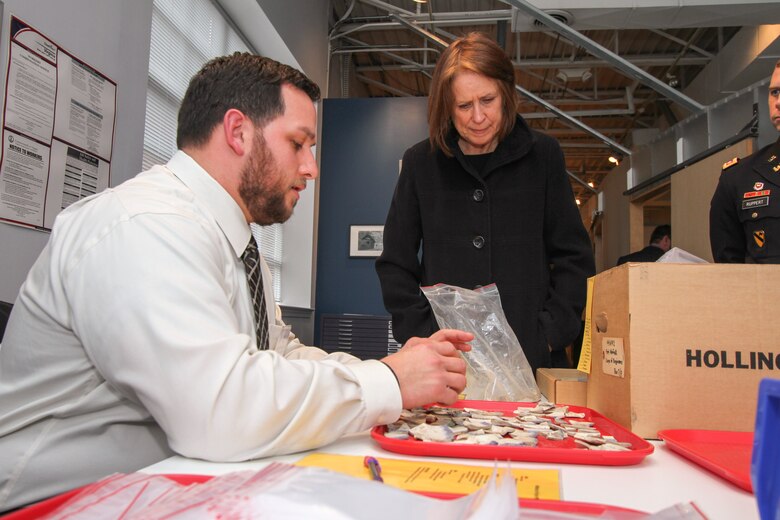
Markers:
<point>49,505</point>
<point>584,508</point>
<point>566,451</point>
<point>727,454</point>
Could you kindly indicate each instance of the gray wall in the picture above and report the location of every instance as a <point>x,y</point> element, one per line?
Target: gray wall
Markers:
<point>303,25</point>
<point>113,37</point>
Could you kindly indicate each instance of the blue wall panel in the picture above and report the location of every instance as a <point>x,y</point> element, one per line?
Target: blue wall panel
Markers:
<point>361,143</point>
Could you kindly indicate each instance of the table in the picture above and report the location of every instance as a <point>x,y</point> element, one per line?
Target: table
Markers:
<point>661,480</point>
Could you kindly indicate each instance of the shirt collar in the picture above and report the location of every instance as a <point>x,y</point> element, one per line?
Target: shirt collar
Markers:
<point>214,198</point>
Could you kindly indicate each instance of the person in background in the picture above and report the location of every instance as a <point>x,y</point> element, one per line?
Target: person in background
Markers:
<point>489,201</point>
<point>660,243</point>
<point>744,211</point>
<point>134,336</point>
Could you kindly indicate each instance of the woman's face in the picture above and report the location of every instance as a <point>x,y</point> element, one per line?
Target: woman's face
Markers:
<point>476,112</point>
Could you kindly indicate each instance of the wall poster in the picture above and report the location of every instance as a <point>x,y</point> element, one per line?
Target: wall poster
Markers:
<point>57,133</point>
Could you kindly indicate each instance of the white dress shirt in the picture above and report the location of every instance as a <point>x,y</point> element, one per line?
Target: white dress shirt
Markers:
<point>133,338</point>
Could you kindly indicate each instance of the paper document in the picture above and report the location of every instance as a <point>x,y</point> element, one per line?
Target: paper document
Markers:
<point>440,477</point>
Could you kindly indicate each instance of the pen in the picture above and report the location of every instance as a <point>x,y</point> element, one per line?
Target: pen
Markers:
<point>373,466</point>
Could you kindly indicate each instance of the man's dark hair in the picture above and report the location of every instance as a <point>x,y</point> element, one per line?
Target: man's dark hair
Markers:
<point>660,232</point>
<point>244,81</point>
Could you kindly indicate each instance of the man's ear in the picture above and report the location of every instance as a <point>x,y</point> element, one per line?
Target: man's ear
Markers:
<point>238,130</point>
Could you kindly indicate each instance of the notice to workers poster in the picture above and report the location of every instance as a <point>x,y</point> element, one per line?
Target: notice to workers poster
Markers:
<point>57,132</point>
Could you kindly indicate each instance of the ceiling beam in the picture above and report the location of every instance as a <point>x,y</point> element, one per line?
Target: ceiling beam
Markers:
<point>458,17</point>
<point>422,32</point>
<point>645,60</point>
<point>682,42</point>
<point>563,116</point>
<point>383,86</point>
<point>574,122</point>
<point>598,50</point>
<point>581,182</point>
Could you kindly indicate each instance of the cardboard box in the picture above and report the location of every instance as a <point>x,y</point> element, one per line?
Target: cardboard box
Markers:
<point>563,385</point>
<point>682,346</point>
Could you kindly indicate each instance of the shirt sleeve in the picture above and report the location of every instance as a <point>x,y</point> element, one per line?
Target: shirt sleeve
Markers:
<point>288,345</point>
<point>154,306</point>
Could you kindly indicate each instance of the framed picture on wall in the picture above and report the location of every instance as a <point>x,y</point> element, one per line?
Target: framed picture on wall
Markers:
<point>365,241</point>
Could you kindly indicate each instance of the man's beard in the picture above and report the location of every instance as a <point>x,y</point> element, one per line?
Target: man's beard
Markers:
<point>260,187</point>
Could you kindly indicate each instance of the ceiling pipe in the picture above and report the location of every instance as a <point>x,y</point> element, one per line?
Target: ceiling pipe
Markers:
<point>353,50</point>
<point>599,51</point>
<point>573,121</point>
<point>566,118</point>
<point>581,182</point>
<point>682,42</point>
<point>647,60</point>
<point>419,30</point>
<point>386,88</point>
<point>390,55</point>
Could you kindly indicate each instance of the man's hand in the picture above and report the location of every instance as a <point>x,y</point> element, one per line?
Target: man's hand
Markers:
<point>430,370</point>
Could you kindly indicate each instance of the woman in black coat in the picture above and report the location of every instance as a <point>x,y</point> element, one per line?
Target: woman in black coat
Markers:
<point>489,201</point>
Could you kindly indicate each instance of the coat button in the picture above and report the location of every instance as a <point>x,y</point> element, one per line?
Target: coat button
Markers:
<point>478,242</point>
<point>754,215</point>
<point>478,195</point>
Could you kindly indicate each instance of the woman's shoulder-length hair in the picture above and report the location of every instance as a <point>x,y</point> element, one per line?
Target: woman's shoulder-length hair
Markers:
<point>477,53</point>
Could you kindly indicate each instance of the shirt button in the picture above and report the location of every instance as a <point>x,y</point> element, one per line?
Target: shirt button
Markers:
<point>478,242</point>
<point>478,195</point>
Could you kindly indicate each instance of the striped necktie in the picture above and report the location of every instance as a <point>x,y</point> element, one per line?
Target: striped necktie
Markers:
<point>254,277</point>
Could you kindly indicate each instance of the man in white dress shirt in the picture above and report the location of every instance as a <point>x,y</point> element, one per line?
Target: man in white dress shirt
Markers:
<point>133,337</point>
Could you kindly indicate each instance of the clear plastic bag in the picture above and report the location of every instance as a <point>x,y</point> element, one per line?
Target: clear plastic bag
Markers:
<point>496,367</point>
<point>282,491</point>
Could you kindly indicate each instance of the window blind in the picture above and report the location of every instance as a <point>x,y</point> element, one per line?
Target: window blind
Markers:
<point>185,35</point>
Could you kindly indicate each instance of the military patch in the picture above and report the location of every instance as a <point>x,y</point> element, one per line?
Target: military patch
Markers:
<point>732,162</point>
<point>776,168</point>
<point>755,203</point>
<point>758,186</point>
<point>759,237</point>
<point>772,158</point>
<point>754,194</point>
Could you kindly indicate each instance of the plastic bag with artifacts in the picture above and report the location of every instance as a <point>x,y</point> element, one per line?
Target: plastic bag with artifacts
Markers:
<point>496,367</point>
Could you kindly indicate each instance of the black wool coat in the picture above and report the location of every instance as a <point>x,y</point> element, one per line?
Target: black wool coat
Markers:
<point>650,253</point>
<point>517,225</point>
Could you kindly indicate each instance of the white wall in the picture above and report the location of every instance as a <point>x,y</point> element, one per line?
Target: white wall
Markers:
<point>113,37</point>
<point>294,32</point>
<point>303,25</point>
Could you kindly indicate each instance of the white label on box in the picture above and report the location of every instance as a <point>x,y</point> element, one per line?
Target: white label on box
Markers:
<point>612,357</point>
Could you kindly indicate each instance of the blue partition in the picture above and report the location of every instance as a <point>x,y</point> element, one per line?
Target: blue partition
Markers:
<point>362,142</point>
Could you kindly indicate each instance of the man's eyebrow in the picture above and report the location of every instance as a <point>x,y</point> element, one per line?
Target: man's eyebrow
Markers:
<point>308,131</point>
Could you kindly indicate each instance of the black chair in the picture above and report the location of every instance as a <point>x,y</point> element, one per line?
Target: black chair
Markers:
<point>5,312</point>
